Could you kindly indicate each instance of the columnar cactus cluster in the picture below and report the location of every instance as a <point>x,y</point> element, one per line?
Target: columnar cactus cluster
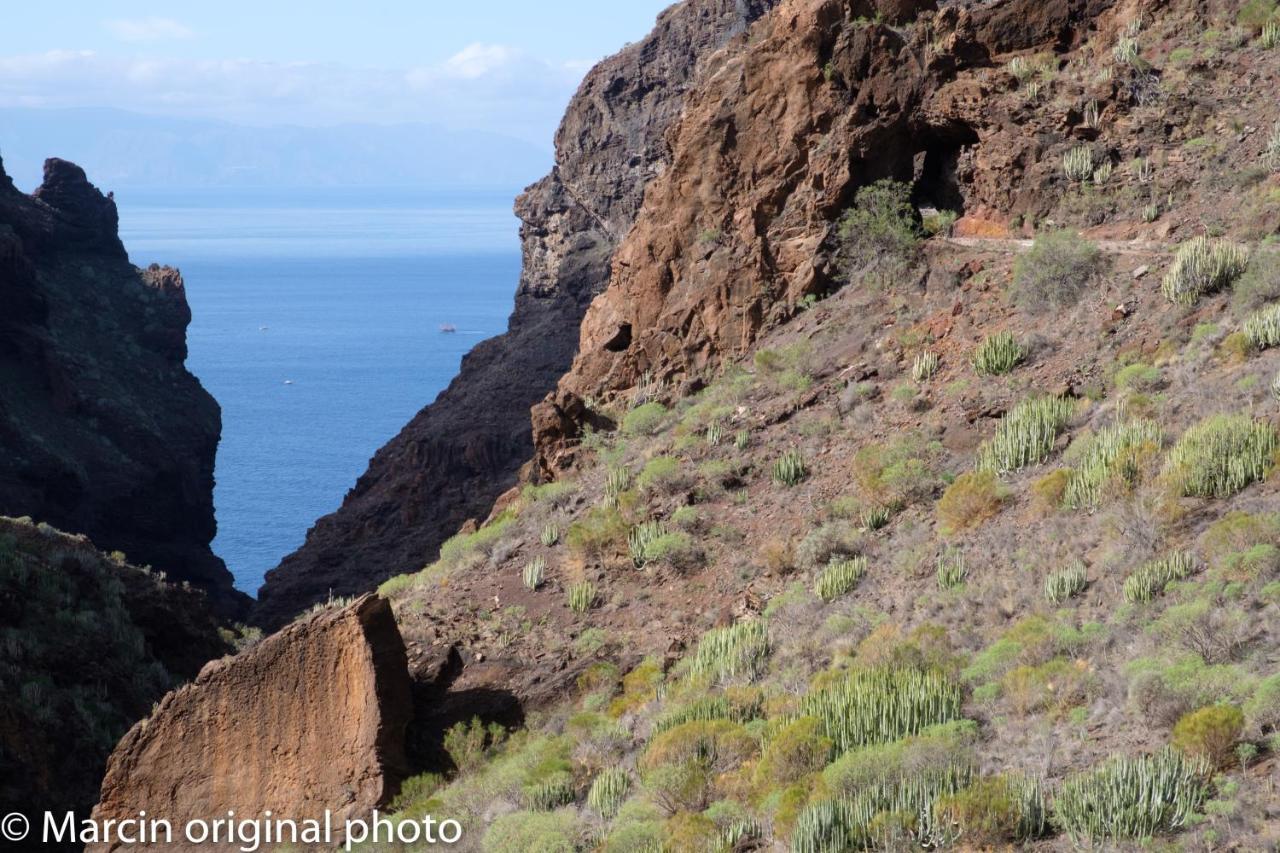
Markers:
<point>1151,578</point>
<point>882,705</point>
<point>1129,798</point>
<point>1026,435</point>
<point>1203,266</point>
<point>1111,457</point>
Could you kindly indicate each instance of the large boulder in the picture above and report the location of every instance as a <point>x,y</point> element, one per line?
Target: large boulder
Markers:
<point>310,720</point>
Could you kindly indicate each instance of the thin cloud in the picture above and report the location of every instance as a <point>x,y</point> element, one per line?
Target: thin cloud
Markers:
<point>147,29</point>
<point>487,87</point>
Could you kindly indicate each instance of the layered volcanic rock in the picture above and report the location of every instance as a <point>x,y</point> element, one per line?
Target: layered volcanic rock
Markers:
<point>311,719</point>
<point>103,431</point>
<point>771,147</point>
<point>465,449</point>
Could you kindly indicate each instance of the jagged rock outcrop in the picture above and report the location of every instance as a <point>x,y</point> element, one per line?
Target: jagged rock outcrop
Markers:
<point>103,431</point>
<point>771,147</point>
<point>91,643</point>
<point>311,719</point>
<point>464,450</point>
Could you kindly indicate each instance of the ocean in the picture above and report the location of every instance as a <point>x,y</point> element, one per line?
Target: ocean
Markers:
<point>317,326</point>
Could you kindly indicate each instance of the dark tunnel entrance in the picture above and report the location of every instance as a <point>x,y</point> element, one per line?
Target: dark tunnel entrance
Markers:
<point>937,178</point>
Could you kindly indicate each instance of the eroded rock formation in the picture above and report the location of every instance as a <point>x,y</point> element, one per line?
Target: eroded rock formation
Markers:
<point>103,431</point>
<point>461,452</point>
<point>311,719</point>
<point>771,147</point>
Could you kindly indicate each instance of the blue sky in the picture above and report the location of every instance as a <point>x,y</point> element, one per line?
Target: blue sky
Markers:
<point>498,65</point>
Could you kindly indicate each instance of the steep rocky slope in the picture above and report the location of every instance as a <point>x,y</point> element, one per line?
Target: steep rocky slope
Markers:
<point>102,429</point>
<point>90,643</point>
<point>780,489</point>
<point>462,451</point>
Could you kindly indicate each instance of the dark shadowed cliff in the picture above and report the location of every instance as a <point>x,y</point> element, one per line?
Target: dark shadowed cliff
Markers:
<point>102,429</point>
<point>464,450</point>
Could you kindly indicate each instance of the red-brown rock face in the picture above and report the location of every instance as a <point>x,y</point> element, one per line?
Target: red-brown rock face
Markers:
<point>771,147</point>
<point>102,429</point>
<point>464,450</point>
<point>311,719</point>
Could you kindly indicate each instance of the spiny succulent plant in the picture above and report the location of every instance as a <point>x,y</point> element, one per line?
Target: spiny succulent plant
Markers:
<point>534,572</point>
<point>1131,797</point>
<point>608,791</point>
<point>550,534</point>
<point>1026,434</point>
<point>881,705</point>
<point>1065,583</point>
<point>1151,578</point>
<point>1111,457</point>
<point>790,468</point>
<point>1262,328</point>
<point>738,651</point>
<point>1220,456</point>
<point>640,541</point>
<point>997,354</point>
<point>1077,164</point>
<point>952,568</point>
<point>582,596</point>
<point>1202,266</point>
<point>839,576</point>
<point>925,365</point>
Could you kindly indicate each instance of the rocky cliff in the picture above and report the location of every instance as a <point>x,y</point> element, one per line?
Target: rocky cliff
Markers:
<point>102,429</point>
<point>767,153</point>
<point>464,450</point>
<point>90,642</point>
<point>310,720</point>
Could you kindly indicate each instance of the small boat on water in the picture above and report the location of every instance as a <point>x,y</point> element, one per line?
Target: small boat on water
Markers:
<point>448,328</point>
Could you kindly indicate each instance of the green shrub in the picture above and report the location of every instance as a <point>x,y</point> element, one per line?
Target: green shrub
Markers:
<point>1256,14</point>
<point>1260,283</point>
<point>534,572</point>
<point>1263,328</point>
<point>796,751</point>
<point>832,541</point>
<point>1110,461</point>
<point>663,474</point>
<point>1209,734</point>
<point>738,651</point>
<point>1056,272</point>
<point>974,497</point>
<point>997,354</point>
<point>582,596</point>
<point>790,468</point>
<point>1263,708</point>
<point>1201,267</point>
<point>601,531</point>
<point>1065,583</point>
<point>840,576</point>
<point>995,811</point>
<point>881,705</point>
<point>520,832</point>
<point>882,224</point>
<point>640,541</point>
<point>1151,578</point>
<point>1026,434</point>
<point>644,420</point>
<point>1220,456</point>
<point>467,743</point>
<point>608,791</point>
<point>952,569</point>
<point>900,472</point>
<point>1165,689</point>
<point>458,548</point>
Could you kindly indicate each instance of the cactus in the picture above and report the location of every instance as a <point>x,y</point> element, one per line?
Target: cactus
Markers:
<point>1220,456</point>
<point>608,791</point>
<point>1275,387</point>
<point>1131,798</point>
<point>1025,435</point>
<point>640,541</point>
<point>790,469</point>
<point>839,576</point>
<point>1263,328</point>
<point>714,433</point>
<point>550,534</point>
<point>1021,68</point>
<point>1272,154</point>
<point>1127,51</point>
<point>952,569</point>
<point>1202,266</point>
<point>1102,174</point>
<point>735,652</point>
<point>998,354</point>
<point>1111,455</point>
<point>617,481</point>
<point>741,439</point>
<point>534,572</point>
<point>1270,37</point>
<point>881,705</point>
<point>549,795</point>
<point>926,364</point>
<point>1077,164</point>
<point>1151,578</point>
<point>1065,583</point>
<point>1092,115</point>
<point>707,708</point>
<point>582,597</point>
<point>875,517</point>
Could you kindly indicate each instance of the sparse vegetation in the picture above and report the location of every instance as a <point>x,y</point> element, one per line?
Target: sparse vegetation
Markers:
<point>952,569</point>
<point>839,576</point>
<point>1056,272</point>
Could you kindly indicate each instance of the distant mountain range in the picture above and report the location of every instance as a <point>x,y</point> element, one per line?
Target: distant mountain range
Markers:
<point>130,150</point>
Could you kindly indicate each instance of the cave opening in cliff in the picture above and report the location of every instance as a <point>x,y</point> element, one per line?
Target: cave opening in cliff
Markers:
<point>621,339</point>
<point>937,168</point>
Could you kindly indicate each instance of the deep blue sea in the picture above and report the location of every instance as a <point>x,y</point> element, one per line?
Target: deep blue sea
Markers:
<point>316,325</point>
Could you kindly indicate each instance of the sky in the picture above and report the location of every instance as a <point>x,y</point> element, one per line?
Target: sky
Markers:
<point>504,66</point>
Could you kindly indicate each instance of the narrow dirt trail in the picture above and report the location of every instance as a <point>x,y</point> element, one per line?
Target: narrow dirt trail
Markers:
<point>1015,246</point>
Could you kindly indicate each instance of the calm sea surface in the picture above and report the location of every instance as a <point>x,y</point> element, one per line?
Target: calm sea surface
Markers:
<point>317,327</point>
